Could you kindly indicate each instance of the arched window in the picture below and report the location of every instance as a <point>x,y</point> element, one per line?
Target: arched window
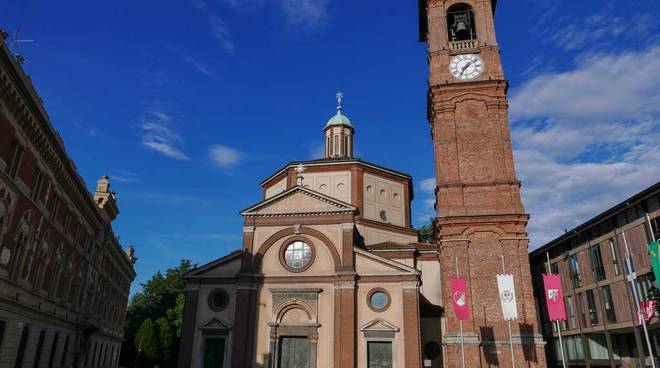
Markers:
<point>42,265</point>
<point>460,23</point>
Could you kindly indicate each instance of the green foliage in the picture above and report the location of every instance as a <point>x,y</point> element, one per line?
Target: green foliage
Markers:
<point>154,318</point>
<point>427,233</point>
<point>146,340</point>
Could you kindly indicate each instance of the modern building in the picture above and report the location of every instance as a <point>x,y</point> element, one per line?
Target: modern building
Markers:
<point>600,310</point>
<point>331,274</point>
<point>64,277</point>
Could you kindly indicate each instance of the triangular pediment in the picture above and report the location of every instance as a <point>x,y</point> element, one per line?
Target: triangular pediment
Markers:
<point>227,266</point>
<point>215,324</point>
<point>299,201</point>
<point>379,325</point>
<point>368,263</point>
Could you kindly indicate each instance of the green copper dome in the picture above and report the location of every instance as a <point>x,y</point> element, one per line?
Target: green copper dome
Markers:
<point>339,119</point>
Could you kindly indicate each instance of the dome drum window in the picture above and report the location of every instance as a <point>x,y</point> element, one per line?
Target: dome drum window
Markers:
<point>297,255</point>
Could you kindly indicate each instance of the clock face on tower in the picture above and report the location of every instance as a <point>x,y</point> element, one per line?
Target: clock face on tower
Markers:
<point>466,66</point>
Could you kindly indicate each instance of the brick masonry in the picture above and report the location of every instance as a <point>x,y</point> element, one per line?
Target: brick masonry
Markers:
<point>480,217</point>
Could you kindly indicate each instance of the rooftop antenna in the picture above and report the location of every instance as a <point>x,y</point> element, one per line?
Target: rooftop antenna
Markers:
<point>13,46</point>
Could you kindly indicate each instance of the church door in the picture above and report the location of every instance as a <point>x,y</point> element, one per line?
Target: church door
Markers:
<point>294,352</point>
<point>379,354</point>
<point>214,352</point>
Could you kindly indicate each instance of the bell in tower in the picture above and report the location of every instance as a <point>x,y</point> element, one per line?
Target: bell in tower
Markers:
<point>460,20</point>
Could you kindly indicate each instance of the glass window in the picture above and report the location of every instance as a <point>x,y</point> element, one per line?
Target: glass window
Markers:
<point>64,352</point>
<point>20,353</point>
<point>3,325</point>
<point>379,354</point>
<point>40,345</point>
<point>53,349</point>
<point>294,352</point>
<point>571,312</point>
<point>15,159</point>
<point>609,306</point>
<point>615,258</point>
<point>597,270</point>
<point>298,255</point>
<point>591,303</point>
<point>379,300</point>
<point>643,286</point>
<point>574,265</point>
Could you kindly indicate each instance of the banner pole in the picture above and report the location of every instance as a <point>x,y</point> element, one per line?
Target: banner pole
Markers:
<point>460,323</point>
<point>561,343</point>
<point>513,355</point>
<point>632,276</point>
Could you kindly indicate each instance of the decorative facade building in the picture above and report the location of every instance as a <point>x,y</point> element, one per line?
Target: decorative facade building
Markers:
<point>331,274</point>
<point>64,278</point>
<point>600,308</point>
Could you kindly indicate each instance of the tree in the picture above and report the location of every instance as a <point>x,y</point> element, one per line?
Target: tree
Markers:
<point>160,302</point>
<point>146,341</point>
<point>427,233</point>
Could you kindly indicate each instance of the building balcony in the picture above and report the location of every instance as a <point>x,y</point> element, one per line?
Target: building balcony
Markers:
<point>462,45</point>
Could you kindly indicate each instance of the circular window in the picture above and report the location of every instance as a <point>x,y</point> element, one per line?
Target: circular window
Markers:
<point>432,350</point>
<point>298,256</point>
<point>396,196</point>
<point>369,189</point>
<point>378,300</point>
<point>218,300</point>
<point>383,193</point>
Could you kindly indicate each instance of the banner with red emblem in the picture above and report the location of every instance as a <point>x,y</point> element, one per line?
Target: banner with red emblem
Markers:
<point>459,298</point>
<point>554,297</point>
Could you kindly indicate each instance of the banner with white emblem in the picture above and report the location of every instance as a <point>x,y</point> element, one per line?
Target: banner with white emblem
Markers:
<point>507,296</point>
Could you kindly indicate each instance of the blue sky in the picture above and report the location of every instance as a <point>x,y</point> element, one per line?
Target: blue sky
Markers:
<point>189,104</point>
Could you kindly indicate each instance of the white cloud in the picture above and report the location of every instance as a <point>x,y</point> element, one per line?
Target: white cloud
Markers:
<point>586,139</point>
<point>593,31</point>
<point>601,86</point>
<point>124,176</point>
<point>158,136</point>
<point>224,156</point>
<point>218,26</point>
<point>427,185</point>
<point>221,33</point>
<point>200,65</point>
<point>307,14</point>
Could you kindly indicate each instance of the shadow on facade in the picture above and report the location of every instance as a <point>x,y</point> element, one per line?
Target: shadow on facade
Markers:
<point>527,336</point>
<point>488,344</point>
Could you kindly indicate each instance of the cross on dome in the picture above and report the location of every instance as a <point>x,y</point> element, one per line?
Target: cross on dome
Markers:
<point>340,96</point>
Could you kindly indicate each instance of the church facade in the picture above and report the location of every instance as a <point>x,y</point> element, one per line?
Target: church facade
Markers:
<point>331,272</point>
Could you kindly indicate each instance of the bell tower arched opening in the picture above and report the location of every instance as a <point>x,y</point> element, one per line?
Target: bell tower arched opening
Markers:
<point>460,23</point>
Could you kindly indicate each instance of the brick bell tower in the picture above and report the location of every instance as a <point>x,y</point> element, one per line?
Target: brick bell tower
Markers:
<point>480,217</point>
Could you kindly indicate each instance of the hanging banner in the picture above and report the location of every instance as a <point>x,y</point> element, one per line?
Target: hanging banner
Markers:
<point>459,298</point>
<point>648,308</point>
<point>554,297</point>
<point>507,296</point>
